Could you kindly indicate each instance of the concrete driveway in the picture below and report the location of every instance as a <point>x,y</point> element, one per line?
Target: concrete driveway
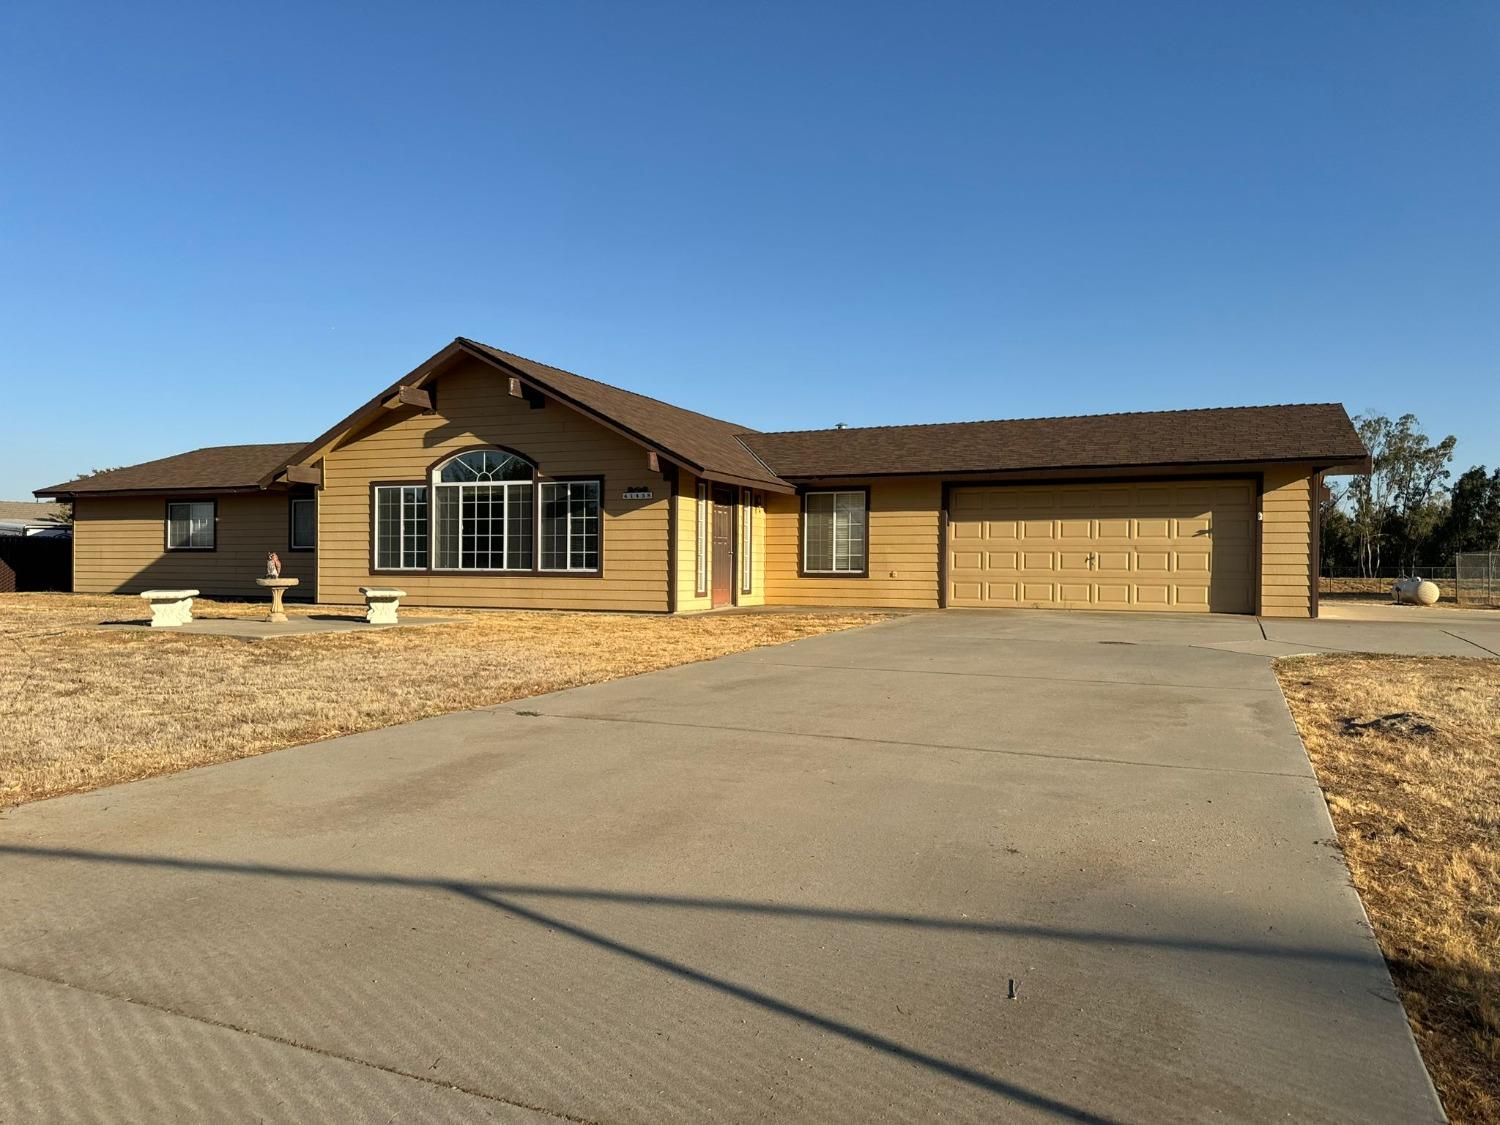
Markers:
<point>792,884</point>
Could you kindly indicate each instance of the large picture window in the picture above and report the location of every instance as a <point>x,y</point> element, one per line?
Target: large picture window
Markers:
<point>570,525</point>
<point>833,533</point>
<point>190,526</point>
<point>401,527</point>
<point>484,512</point>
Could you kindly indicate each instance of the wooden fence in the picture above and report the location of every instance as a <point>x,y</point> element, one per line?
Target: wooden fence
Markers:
<point>35,562</point>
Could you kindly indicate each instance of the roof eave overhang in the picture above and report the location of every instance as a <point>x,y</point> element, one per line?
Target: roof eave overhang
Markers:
<point>1332,463</point>
<point>746,482</point>
<point>193,490</point>
<point>1358,467</point>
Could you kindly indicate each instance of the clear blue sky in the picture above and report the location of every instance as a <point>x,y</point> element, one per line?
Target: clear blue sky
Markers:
<point>226,224</point>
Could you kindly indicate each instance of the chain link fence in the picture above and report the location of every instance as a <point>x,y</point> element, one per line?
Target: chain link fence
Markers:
<point>1353,582</point>
<point>1477,578</point>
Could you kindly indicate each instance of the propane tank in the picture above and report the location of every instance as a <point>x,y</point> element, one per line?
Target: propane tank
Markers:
<point>1415,591</point>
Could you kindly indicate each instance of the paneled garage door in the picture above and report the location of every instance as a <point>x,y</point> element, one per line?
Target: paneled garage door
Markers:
<point>1185,546</point>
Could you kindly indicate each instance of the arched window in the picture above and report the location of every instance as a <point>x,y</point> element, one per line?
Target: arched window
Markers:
<point>485,465</point>
<point>484,504</point>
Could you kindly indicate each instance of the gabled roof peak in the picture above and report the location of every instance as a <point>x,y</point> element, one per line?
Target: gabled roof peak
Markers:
<point>708,445</point>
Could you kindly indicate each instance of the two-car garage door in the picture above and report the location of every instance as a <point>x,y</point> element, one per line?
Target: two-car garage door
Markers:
<point>1187,546</point>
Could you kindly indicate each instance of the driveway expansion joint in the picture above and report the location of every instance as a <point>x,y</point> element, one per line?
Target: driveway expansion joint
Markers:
<point>1016,676</point>
<point>897,742</point>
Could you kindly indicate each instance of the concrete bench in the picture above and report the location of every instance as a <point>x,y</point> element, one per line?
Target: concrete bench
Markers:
<point>381,603</point>
<point>170,607</point>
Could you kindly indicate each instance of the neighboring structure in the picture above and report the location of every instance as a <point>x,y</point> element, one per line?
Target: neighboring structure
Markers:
<point>32,517</point>
<point>34,550</point>
<point>486,479</point>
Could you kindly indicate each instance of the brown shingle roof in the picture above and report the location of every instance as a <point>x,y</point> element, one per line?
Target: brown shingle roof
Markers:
<point>1318,432</point>
<point>224,467</point>
<point>708,443</point>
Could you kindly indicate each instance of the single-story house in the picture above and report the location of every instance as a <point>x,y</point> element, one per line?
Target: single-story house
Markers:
<point>486,479</point>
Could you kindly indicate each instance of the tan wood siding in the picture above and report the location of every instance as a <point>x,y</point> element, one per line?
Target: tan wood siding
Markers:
<point>902,549</point>
<point>1286,543</point>
<point>474,408</point>
<point>119,546</point>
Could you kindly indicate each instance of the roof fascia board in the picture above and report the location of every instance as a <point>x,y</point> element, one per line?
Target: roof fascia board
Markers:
<point>192,490</point>
<point>960,474</point>
<point>749,482</point>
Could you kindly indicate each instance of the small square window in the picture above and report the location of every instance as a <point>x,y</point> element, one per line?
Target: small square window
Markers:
<point>191,526</point>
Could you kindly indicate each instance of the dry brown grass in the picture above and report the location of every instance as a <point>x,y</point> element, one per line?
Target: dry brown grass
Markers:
<point>1380,586</point>
<point>1408,753</point>
<point>1377,591</point>
<point>83,707</point>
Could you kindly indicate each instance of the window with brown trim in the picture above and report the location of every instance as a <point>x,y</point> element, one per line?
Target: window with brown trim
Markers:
<point>302,534</point>
<point>401,527</point>
<point>490,511</point>
<point>482,502</point>
<point>570,525</point>
<point>191,525</point>
<point>834,532</point>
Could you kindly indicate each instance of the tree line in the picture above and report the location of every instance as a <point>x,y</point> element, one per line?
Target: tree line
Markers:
<point>1406,513</point>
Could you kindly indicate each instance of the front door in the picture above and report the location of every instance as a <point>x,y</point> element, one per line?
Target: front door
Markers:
<point>723,546</point>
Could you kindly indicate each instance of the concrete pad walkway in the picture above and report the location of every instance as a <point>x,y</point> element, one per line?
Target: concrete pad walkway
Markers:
<point>794,884</point>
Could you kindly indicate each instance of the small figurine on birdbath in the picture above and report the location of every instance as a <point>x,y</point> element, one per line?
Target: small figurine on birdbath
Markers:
<point>277,585</point>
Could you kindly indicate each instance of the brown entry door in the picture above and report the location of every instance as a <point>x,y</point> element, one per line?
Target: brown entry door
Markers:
<point>723,548</point>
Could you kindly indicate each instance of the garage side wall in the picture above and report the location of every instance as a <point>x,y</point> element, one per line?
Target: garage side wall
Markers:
<point>119,546</point>
<point>1287,522</point>
<point>903,549</point>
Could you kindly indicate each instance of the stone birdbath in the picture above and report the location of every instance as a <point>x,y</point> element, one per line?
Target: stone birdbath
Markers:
<point>278,586</point>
